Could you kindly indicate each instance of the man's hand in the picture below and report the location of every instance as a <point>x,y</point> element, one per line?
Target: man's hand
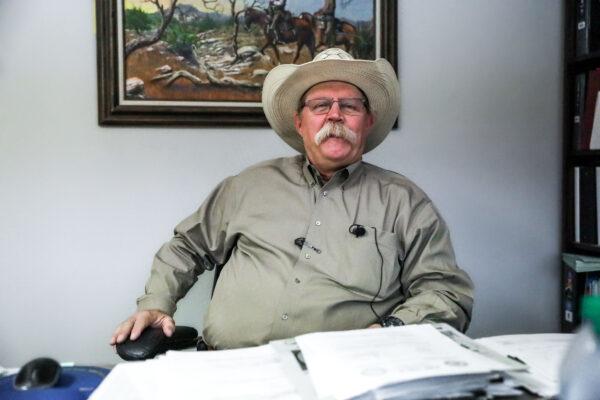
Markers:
<point>374,326</point>
<point>133,326</point>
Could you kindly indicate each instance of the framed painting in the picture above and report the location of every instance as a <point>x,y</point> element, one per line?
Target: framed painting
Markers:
<point>202,62</point>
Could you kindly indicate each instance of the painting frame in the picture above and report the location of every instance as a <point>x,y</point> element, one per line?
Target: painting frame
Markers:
<point>112,112</point>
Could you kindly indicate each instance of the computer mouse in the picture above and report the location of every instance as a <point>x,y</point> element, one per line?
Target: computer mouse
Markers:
<point>38,373</point>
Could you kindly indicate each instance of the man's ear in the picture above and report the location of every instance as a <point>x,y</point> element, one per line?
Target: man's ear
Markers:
<point>297,123</point>
<point>370,122</point>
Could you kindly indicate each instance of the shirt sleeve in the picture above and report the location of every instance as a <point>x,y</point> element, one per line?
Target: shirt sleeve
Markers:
<point>200,242</point>
<point>434,287</point>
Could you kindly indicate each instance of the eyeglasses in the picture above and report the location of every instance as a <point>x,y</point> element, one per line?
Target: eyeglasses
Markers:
<point>348,106</point>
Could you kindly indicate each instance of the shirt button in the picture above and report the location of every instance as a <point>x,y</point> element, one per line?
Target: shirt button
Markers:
<point>325,193</point>
<point>318,223</point>
<point>284,317</point>
<point>307,256</point>
<point>297,280</point>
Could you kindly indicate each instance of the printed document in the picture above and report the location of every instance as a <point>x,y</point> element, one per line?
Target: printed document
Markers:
<point>248,374</point>
<point>350,363</point>
<point>542,353</point>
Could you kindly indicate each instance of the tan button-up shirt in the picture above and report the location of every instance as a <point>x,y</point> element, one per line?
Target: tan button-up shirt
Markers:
<point>271,288</point>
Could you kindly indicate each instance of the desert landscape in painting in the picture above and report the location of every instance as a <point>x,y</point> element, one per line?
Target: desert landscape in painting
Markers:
<point>221,50</point>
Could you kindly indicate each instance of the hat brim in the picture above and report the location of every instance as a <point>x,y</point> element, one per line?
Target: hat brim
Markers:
<point>285,84</point>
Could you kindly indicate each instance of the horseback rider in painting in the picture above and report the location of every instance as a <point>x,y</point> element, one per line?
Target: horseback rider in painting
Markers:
<point>277,13</point>
<point>326,20</point>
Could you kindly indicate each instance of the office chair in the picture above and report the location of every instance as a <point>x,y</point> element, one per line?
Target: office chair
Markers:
<point>153,341</point>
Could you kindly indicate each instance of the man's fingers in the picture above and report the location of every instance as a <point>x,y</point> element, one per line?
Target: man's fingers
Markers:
<point>121,332</point>
<point>133,327</point>
<point>168,326</point>
<point>142,320</point>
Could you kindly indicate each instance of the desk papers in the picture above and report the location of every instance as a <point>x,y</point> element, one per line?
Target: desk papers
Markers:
<point>542,353</point>
<point>409,362</point>
<point>348,364</point>
<point>248,374</point>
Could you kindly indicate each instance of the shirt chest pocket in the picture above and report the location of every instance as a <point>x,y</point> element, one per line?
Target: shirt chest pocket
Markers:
<point>368,265</point>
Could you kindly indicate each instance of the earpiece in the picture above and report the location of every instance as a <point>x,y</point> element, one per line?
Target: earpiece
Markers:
<point>357,230</point>
<point>299,242</point>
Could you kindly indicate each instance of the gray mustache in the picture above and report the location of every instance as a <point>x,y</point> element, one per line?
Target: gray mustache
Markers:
<point>335,129</point>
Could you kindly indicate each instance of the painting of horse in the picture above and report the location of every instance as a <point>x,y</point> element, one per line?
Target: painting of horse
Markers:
<point>300,31</point>
<point>207,55</point>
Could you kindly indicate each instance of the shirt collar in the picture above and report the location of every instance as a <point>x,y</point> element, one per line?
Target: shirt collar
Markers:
<point>313,176</point>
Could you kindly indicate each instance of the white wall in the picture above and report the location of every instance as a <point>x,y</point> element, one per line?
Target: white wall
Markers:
<point>84,208</point>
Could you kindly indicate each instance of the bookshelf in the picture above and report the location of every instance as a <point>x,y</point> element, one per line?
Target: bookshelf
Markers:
<point>581,149</point>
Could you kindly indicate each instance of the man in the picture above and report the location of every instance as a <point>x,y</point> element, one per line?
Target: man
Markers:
<point>276,9</point>
<point>320,241</point>
<point>326,17</point>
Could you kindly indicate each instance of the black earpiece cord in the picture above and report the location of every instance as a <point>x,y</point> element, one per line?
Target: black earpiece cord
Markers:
<point>380,277</point>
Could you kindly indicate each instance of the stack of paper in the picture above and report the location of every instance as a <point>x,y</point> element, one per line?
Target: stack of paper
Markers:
<point>252,373</point>
<point>410,362</point>
<point>542,353</point>
<point>403,360</point>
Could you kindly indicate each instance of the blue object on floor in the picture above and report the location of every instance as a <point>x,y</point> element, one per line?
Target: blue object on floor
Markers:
<point>75,383</point>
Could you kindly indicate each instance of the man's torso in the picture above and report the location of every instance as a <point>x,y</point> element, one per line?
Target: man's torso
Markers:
<point>270,288</point>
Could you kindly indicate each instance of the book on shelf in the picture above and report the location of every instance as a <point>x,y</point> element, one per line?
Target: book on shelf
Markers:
<point>576,213</point>
<point>586,199</point>
<point>414,361</point>
<point>572,288</point>
<point>589,108</point>
<point>580,263</point>
<point>591,284</point>
<point>581,31</point>
<point>579,276</point>
<point>593,25</point>
<point>580,81</point>
<point>588,214</point>
<point>595,136</point>
<point>587,26</point>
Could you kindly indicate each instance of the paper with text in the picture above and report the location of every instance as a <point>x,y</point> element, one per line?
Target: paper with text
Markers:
<point>350,363</point>
<point>542,353</point>
<point>244,374</point>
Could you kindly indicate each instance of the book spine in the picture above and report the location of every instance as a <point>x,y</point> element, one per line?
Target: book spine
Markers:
<point>587,205</point>
<point>587,123</point>
<point>576,197</point>
<point>597,206</point>
<point>595,137</point>
<point>572,286</point>
<point>593,25</point>
<point>591,284</point>
<point>582,23</point>
<point>579,105</point>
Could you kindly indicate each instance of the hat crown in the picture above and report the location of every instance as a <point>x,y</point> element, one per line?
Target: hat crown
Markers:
<point>333,53</point>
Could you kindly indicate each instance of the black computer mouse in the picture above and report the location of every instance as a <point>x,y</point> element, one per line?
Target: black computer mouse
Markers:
<point>38,373</point>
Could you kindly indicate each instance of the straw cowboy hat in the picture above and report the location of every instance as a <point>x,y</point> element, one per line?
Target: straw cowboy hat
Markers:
<point>285,84</point>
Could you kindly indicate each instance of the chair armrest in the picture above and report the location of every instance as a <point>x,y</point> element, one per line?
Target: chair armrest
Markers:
<point>153,341</point>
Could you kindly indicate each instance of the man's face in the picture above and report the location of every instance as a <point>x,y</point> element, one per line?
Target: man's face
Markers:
<point>333,152</point>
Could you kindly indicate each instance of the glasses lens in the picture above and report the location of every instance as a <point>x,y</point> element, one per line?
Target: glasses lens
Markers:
<point>348,106</point>
<point>351,106</point>
<point>319,106</point>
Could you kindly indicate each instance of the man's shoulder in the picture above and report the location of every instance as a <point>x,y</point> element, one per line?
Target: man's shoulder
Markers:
<point>386,177</point>
<point>282,166</point>
<point>396,187</point>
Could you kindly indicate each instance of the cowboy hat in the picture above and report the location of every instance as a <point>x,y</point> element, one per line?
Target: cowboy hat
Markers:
<point>285,84</point>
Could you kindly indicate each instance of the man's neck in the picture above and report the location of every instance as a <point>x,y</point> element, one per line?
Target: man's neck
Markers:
<point>327,173</point>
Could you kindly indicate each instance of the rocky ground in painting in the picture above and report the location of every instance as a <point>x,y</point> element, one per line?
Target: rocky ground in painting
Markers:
<point>209,72</point>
